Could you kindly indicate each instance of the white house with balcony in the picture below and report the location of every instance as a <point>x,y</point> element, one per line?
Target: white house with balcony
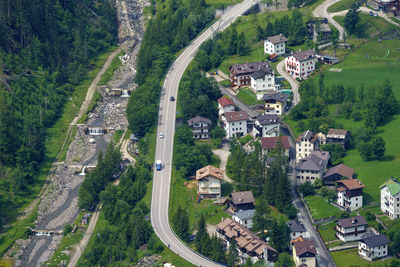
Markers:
<point>209,180</point>
<point>372,247</point>
<point>390,198</point>
<point>267,125</point>
<point>300,64</point>
<point>235,123</point>
<point>349,194</point>
<point>200,127</point>
<point>275,44</point>
<point>351,229</point>
<point>262,82</point>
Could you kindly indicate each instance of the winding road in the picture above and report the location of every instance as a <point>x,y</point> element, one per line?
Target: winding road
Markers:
<point>322,12</point>
<point>164,148</point>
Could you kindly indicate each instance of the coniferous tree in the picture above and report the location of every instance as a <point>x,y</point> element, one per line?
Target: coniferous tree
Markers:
<point>232,253</point>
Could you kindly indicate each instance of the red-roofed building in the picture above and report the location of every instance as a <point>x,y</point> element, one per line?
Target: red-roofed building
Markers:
<point>304,252</point>
<point>270,143</point>
<point>225,104</point>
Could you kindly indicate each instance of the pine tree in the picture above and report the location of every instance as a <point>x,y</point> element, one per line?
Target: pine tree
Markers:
<point>201,231</point>
<point>233,253</point>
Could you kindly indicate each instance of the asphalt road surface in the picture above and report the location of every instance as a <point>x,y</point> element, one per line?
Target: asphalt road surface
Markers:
<point>164,148</point>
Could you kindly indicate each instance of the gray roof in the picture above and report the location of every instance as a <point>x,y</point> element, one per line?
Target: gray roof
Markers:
<point>301,56</point>
<point>324,27</point>
<point>352,222</point>
<point>244,197</point>
<point>276,39</point>
<point>267,119</point>
<point>372,240</point>
<point>313,162</point>
<point>260,74</point>
<point>296,227</point>
<point>307,134</point>
<point>245,214</point>
<point>278,96</point>
<point>197,119</point>
<point>248,68</point>
<point>337,133</point>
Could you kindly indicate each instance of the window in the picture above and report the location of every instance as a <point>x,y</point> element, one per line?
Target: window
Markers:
<point>245,222</point>
<point>303,260</point>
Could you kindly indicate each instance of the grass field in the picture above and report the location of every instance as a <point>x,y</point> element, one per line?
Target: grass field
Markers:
<point>357,69</point>
<point>319,208</point>
<point>248,97</point>
<point>109,73</point>
<point>369,65</point>
<point>341,5</point>
<point>222,3</point>
<point>349,257</point>
<point>327,231</point>
<point>373,25</point>
<point>186,196</point>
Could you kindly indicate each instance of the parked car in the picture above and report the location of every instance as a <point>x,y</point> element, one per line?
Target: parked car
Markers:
<point>371,13</point>
<point>375,14</point>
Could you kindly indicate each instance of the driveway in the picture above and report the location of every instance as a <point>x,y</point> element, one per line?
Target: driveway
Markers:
<point>293,83</point>
<point>223,155</point>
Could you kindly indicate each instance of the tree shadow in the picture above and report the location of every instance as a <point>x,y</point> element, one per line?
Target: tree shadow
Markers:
<point>226,189</point>
<point>387,158</point>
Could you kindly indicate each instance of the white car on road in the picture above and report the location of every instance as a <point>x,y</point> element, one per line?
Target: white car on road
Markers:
<point>161,135</point>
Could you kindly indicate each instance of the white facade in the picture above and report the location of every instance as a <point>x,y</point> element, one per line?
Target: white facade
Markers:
<point>304,148</point>
<point>209,187</point>
<point>200,130</point>
<point>235,128</point>
<point>227,108</point>
<point>245,218</point>
<point>271,48</point>
<point>352,203</point>
<point>263,85</point>
<point>304,176</point>
<point>269,130</point>
<point>390,204</point>
<point>299,69</point>
<point>372,253</point>
<point>295,235</point>
<point>350,233</point>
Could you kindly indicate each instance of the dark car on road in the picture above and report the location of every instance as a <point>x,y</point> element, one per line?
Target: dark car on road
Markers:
<point>172,98</point>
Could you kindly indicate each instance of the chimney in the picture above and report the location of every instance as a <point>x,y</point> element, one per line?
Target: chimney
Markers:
<point>353,221</point>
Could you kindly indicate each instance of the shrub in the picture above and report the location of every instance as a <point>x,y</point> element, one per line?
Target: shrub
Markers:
<point>67,229</point>
<point>306,189</point>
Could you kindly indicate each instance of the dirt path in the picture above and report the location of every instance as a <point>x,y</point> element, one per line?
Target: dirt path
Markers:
<point>322,12</point>
<point>223,154</point>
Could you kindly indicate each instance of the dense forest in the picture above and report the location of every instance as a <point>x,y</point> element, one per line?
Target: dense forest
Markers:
<point>182,20</point>
<point>46,48</point>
